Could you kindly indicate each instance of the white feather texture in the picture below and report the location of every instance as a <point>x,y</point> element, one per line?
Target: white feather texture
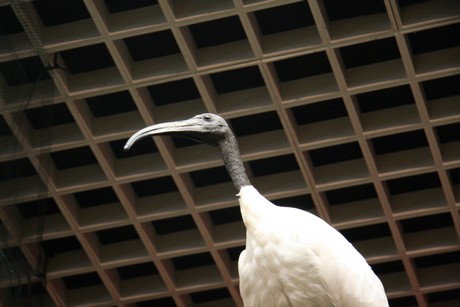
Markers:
<point>294,258</point>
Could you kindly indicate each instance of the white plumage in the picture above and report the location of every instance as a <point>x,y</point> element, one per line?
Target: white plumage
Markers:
<point>292,258</point>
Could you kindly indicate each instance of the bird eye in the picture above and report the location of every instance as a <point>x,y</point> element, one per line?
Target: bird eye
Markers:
<point>207,118</point>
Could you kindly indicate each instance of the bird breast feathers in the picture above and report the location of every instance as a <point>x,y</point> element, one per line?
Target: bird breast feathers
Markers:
<point>305,244</point>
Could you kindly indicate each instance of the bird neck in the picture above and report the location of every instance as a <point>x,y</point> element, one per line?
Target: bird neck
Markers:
<point>228,148</point>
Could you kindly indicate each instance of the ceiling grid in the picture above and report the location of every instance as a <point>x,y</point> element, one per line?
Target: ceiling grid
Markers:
<point>351,112</point>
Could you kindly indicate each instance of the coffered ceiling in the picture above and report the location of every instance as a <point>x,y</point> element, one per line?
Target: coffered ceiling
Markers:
<point>347,109</point>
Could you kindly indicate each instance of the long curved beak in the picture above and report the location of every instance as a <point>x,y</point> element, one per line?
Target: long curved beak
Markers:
<point>188,125</point>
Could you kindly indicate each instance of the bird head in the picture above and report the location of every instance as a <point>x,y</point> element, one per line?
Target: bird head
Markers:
<point>207,128</point>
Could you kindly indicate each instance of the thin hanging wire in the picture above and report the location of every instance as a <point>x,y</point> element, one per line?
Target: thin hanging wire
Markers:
<point>20,273</point>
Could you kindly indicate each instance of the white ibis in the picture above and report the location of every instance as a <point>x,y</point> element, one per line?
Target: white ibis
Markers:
<point>292,258</point>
